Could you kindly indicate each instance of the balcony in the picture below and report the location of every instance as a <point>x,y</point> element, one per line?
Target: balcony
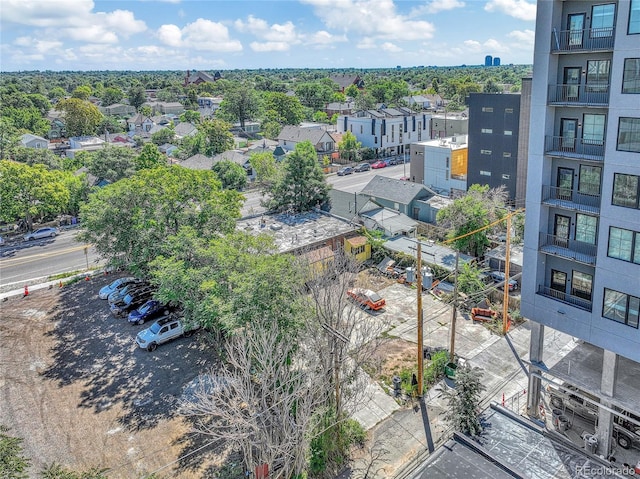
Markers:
<point>579,95</point>
<point>570,199</point>
<point>563,297</point>
<point>578,41</point>
<point>574,148</point>
<point>575,250</point>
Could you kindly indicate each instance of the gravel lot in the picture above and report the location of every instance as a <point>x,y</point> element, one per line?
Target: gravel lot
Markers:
<point>80,392</point>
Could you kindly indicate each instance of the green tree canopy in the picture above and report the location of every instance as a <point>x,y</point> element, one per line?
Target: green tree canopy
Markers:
<point>314,95</point>
<point>232,175</point>
<point>349,147</point>
<point>112,95</point>
<point>166,135</point>
<point>81,117</point>
<point>287,109</point>
<point>217,136</point>
<point>112,163</point>
<point>13,463</point>
<point>129,221</point>
<point>302,185</point>
<point>82,92</point>
<point>464,400</point>
<point>264,166</point>
<point>150,157</point>
<point>241,103</point>
<point>190,116</point>
<point>137,96</point>
<point>33,156</point>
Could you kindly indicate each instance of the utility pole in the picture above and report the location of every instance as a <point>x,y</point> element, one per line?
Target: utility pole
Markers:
<point>507,260</point>
<point>420,322</point>
<point>453,316</point>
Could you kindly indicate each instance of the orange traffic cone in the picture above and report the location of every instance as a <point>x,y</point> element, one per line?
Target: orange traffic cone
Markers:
<point>26,290</point>
<point>87,278</point>
<point>60,285</point>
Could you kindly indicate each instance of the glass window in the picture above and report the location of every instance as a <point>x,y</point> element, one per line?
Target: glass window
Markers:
<point>621,307</point>
<point>487,109</point>
<point>487,130</point>
<point>485,173</point>
<point>485,152</point>
<point>558,280</point>
<point>586,228</point>
<point>581,285</point>
<point>508,132</point>
<point>620,244</point>
<point>629,135</point>
<point>631,75</point>
<point>602,18</point>
<point>589,182</point>
<point>634,17</point>
<point>593,129</point>
<point>506,154</point>
<point>506,177</point>
<point>625,190</point>
<point>508,110</point>
<point>598,75</point>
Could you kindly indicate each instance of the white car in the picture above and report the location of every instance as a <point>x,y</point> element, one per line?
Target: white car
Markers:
<point>117,284</point>
<point>161,331</point>
<point>40,233</point>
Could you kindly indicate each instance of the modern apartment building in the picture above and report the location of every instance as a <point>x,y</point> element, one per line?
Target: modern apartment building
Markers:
<point>581,270</point>
<point>441,165</point>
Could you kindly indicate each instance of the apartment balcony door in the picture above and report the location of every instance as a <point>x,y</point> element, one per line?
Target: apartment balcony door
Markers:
<point>559,281</point>
<point>565,183</point>
<point>561,228</point>
<point>572,83</point>
<point>568,133</point>
<point>575,25</point>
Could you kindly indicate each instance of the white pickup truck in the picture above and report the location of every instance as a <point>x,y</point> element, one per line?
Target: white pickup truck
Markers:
<point>163,330</point>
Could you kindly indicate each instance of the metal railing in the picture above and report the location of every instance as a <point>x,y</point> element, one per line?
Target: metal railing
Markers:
<point>572,199</point>
<point>576,301</point>
<point>570,147</point>
<point>568,248</point>
<point>578,40</point>
<point>589,95</point>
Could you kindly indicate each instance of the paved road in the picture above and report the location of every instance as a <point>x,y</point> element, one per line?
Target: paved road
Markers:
<point>24,262</point>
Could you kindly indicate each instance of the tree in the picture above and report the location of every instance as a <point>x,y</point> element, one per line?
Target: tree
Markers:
<point>145,110</point>
<point>166,135</point>
<point>302,185</point>
<point>110,124</point>
<point>464,400</point>
<point>82,92</point>
<point>491,87</point>
<point>190,116</point>
<point>112,95</point>
<point>81,117</point>
<point>241,103</point>
<point>57,93</point>
<point>314,95</point>
<point>470,279</point>
<point>28,118</point>
<point>13,463</point>
<point>271,129</point>
<point>288,109</point>
<point>320,117</point>
<point>218,138</point>
<point>264,166</point>
<point>112,163</point>
<point>349,147</point>
<point>30,192</point>
<point>137,96</point>
<point>150,157</point>
<point>365,101</point>
<point>32,156</point>
<point>471,214</point>
<point>9,138</point>
<point>232,175</point>
<point>129,221</point>
<point>352,91</point>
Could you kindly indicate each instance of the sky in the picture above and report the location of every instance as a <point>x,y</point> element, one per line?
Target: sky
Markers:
<point>212,35</point>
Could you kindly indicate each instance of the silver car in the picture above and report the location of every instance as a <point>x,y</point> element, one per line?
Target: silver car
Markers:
<point>161,331</point>
<point>40,233</point>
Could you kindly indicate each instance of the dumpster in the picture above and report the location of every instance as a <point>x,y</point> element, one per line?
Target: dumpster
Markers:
<point>590,443</point>
<point>563,423</point>
<point>450,370</point>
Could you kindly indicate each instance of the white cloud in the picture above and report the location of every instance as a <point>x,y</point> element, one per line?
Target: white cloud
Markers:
<point>120,21</point>
<point>473,45</point>
<point>40,46</point>
<point>525,38</point>
<point>269,46</point>
<point>520,9</point>
<point>435,6</point>
<point>202,35</point>
<point>390,47</point>
<point>90,34</point>
<point>366,44</point>
<point>373,18</point>
<point>494,45</point>
<point>323,37</point>
<point>260,28</point>
<point>45,13</point>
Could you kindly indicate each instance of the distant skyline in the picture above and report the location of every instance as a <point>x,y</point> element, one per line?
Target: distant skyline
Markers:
<point>214,35</point>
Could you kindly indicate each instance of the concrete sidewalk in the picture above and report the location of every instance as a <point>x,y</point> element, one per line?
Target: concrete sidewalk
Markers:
<point>403,436</point>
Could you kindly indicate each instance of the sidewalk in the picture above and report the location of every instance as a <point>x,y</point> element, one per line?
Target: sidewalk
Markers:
<point>402,440</point>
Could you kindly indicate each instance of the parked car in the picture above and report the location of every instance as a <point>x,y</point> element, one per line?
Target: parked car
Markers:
<point>498,277</point>
<point>117,284</point>
<point>367,299</point>
<point>161,331</point>
<point>379,164</point>
<point>362,167</point>
<point>393,161</point>
<point>120,293</point>
<point>40,233</point>
<point>347,170</point>
<point>131,301</point>
<point>2,241</point>
<point>152,309</point>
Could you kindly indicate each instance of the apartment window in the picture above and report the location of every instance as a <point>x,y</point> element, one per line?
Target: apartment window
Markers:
<point>602,18</point>
<point>508,110</point>
<point>593,129</point>
<point>485,173</point>
<point>598,75</point>
<point>558,280</point>
<point>621,307</point>
<point>506,154</point>
<point>506,177</point>
<point>631,75</point>
<point>508,132</point>
<point>485,152</point>
<point>629,135</point>
<point>589,182</point>
<point>487,109</point>
<point>625,190</point>
<point>358,249</point>
<point>486,130</point>
<point>634,17</point>
<point>581,285</point>
<point>361,129</point>
<point>624,245</point>
<point>586,228</point>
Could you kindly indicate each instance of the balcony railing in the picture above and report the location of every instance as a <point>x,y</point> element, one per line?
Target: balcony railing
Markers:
<point>568,248</point>
<point>570,199</point>
<point>579,95</point>
<point>576,301</point>
<point>588,39</point>
<point>575,148</point>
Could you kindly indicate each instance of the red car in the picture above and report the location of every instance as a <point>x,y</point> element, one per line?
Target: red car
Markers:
<point>379,164</point>
<point>367,299</point>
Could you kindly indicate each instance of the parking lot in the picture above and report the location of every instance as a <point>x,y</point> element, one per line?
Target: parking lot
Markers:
<point>80,392</point>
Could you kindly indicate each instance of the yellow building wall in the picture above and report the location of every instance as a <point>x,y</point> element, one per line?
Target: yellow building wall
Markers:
<point>362,252</point>
<point>459,162</point>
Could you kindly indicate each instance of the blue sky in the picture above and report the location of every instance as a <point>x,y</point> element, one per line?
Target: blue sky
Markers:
<point>219,35</point>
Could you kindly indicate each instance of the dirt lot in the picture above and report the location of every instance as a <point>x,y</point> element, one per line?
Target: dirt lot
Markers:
<point>75,386</point>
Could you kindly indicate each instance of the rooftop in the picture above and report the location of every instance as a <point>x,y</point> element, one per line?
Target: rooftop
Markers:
<point>452,143</point>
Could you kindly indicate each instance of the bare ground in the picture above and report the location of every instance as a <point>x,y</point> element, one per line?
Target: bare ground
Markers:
<point>76,388</point>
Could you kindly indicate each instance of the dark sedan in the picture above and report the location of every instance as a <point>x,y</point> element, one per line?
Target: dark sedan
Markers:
<point>131,301</point>
<point>362,167</point>
<point>347,170</point>
<point>152,309</point>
